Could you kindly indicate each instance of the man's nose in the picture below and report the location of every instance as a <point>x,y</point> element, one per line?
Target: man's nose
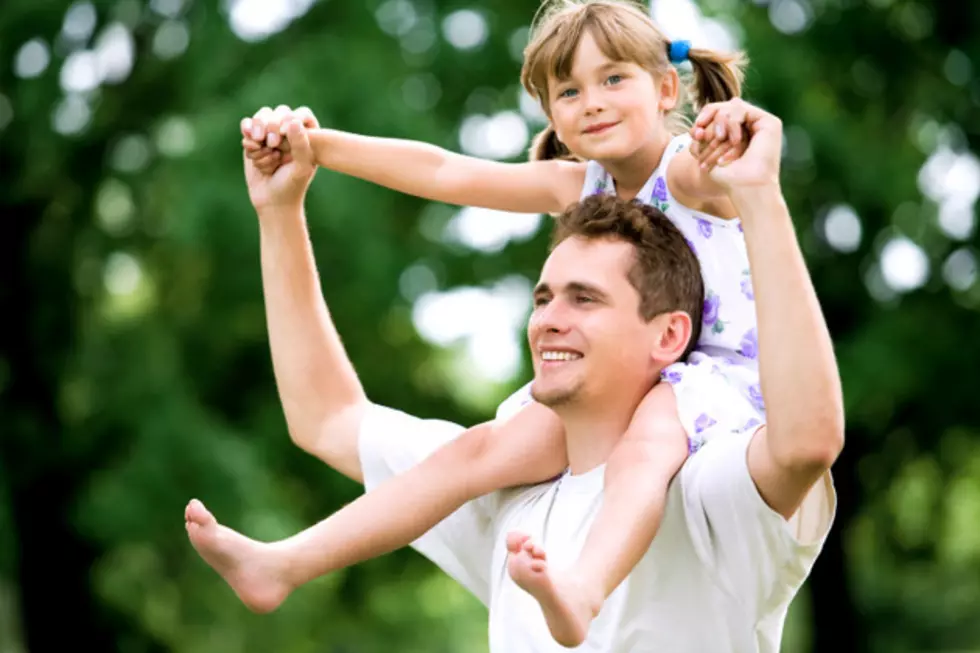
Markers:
<point>552,318</point>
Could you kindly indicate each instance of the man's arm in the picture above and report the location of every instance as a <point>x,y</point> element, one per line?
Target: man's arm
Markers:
<point>801,385</point>
<point>758,506</point>
<point>800,382</point>
<point>325,405</point>
<point>321,395</point>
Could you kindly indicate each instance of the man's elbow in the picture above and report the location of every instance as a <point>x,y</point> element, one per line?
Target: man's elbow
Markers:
<point>827,449</point>
<point>814,446</point>
<point>335,439</point>
<point>324,433</point>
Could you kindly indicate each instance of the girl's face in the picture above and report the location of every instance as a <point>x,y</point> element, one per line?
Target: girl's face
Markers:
<point>608,110</point>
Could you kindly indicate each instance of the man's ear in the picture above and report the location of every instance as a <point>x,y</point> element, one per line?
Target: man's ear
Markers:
<point>672,335</point>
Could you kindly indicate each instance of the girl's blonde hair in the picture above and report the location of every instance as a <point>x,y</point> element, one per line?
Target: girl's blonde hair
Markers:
<point>623,31</point>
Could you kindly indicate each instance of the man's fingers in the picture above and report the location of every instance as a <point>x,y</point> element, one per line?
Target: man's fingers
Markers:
<point>711,153</point>
<point>757,119</point>
<point>727,125</point>
<point>280,116</point>
<point>259,123</point>
<point>299,141</point>
<point>270,160</point>
<point>305,114</point>
<point>259,152</point>
<point>270,136</point>
<point>267,127</point>
<point>729,156</point>
<point>695,147</point>
<point>715,135</point>
<point>249,145</point>
<point>720,154</point>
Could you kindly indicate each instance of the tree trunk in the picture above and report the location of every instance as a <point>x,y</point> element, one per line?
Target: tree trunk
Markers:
<point>837,624</point>
<point>53,562</point>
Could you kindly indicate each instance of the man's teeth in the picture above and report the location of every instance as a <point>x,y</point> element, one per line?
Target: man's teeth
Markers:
<point>559,356</point>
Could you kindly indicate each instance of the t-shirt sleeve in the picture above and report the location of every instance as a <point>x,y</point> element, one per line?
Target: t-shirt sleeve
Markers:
<point>390,442</point>
<point>755,554</point>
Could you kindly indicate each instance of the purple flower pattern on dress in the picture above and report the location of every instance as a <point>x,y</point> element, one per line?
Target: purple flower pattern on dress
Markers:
<point>755,396</point>
<point>703,422</point>
<point>709,317</point>
<point>704,228</point>
<point>746,286</point>
<point>746,346</point>
<point>658,196</point>
<point>749,347</point>
<point>672,375</point>
<point>710,310</point>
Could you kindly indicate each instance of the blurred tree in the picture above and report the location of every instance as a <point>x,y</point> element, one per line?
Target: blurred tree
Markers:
<point>134,367</point>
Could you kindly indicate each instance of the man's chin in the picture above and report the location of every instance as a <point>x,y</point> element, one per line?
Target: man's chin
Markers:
<point>553,397</point>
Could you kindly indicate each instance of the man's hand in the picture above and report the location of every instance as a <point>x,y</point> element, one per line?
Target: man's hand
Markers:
<point>719,142</point>
<point>276,179</point>
<point>759,164</point>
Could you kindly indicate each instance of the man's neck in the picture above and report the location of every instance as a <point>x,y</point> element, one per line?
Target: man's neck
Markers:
<point>591,435</point>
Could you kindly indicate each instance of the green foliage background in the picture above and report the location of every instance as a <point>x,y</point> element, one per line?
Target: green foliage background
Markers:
<point>134,365</point>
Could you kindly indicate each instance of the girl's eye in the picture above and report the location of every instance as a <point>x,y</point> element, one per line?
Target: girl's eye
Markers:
<point>568,92</point>
<point>614,79</point>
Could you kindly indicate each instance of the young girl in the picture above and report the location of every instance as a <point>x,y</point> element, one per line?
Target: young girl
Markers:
<point>603,74</point>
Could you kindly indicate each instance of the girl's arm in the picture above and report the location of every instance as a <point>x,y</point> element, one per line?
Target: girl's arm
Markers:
<point>434,173</point>
<point>690,181</point>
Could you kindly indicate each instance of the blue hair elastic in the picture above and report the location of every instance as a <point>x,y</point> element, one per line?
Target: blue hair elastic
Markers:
<point>677,51</point>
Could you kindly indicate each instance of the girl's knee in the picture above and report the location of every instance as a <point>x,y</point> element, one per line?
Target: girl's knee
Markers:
<point>656,419</point>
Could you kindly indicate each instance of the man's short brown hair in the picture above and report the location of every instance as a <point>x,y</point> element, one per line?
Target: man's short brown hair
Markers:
<point>666,273</point>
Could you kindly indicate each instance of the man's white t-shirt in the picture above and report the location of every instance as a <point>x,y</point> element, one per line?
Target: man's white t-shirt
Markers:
<point>718,578</point>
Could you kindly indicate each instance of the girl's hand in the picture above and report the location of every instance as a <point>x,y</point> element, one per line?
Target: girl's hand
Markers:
<point>718,139</point>
<point>264,139</point>
<point>759,164</point>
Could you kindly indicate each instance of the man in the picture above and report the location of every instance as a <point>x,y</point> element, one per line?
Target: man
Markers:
<point>746,515</point>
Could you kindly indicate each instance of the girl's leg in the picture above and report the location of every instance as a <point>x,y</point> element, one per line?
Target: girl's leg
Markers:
<point>641,467</point>
<point>638,473</point>
<point>527,448</point>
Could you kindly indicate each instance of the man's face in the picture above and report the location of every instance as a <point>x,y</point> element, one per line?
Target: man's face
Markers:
<point>586,335</point>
